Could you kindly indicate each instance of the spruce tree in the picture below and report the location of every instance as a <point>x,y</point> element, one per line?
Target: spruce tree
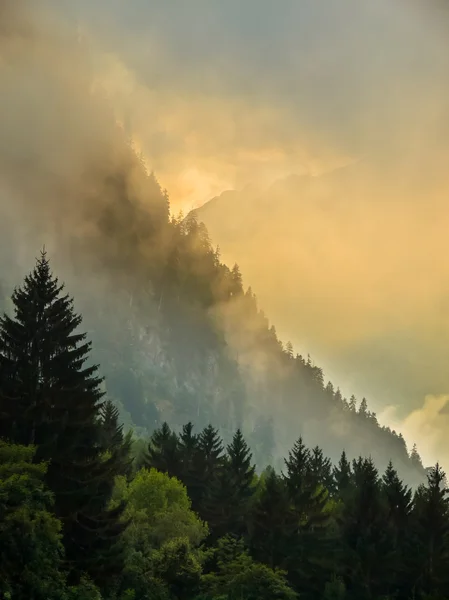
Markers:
<point>368,550</point>
<point>273,522</point>
<point>416,458</point>
<point>358,466</point>
<point>115,444</point>
<point>298,473</point>
<point>188,447</point>
<point>163,452</point>
<point>398,498</point>
<point>188,441</point>
<point>240,467</point>
<point>49,397</point>
<point>310,547</point>
<point>321,468</point>
<point>431,534</point>
<point>207,465</point>
<point>342,475</point>
<point>188,450</point>
<point>220,503</point>
<point>352,404</point>
<point>227,501</point>
<point>112,431</point>
<point>363,408</point>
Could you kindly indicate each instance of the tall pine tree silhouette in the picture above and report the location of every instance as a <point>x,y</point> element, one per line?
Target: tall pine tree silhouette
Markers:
<point>226,506</point>
<point>431,529</point>
<point>115,443</point>
<point>342,475</point>
<point>273,521</point>
<point>207,466</point>
<point>188,448</point>
<point>50,398</point>
<point>163,452</point>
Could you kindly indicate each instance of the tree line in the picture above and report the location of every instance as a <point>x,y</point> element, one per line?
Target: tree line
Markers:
<point>86,513</point>
<point>215,358</point>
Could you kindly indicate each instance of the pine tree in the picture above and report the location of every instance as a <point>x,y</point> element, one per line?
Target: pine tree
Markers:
<point>188,447</point>
<point>298,467</point>
<point>329,390</point>
<point>111,430</point>
<point>352,404</point>
<point>416,458</point>
<point>50,398</point>
<point>342,475</point>
<point>115,444</point>
<point>367,544</point>
<point>338,397</point>
<point>240,466</point>
<point>321,468</point>
<point>273,522</point>
<point>289,349</point>
<point>240,472</point>
<point>309,553</point>
<point>431,534</point>
<point>163,452</point>
<point>207,464</point>
<point>398,499</point>
<point>363,408</point>
<point>358,466</point>
<point>219,503</point>
<point>236,281</point>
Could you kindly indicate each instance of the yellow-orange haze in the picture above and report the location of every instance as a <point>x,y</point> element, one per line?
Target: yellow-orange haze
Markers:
<point>359,278</point>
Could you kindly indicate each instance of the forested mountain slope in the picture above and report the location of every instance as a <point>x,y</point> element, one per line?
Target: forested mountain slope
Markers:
<point>344,264</point>
<point>179,338</point>
<point>177,335</point>
<point>187,517</point>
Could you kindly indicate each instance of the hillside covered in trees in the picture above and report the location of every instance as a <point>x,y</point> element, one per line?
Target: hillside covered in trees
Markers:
<point>180,338</point>
<point>177,333</point>
<point>86,513</point>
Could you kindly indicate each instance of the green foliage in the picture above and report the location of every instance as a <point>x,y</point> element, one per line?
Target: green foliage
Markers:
<point>116,445</point>
<point>30,535</point>
<point>334,590</point>
<point>226,505</point>
<point>163,451</point>
<point>342,475</point>
<point>50,397</point>
<point>238,576</point>
<point>162,536</point>
<point>180,569</point>
<point>85,590</point>
<point>79,520</point>
<point>272,521</point>
<point>159,509</point>
<point>430,531</point>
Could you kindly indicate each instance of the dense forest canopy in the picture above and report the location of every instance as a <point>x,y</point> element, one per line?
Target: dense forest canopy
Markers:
<point>168,444</point>
<point>88,513</point>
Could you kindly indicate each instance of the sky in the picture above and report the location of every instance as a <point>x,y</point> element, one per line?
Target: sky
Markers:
<point>219,95</point>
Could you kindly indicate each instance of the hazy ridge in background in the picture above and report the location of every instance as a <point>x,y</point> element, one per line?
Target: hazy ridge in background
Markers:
<point>92,101</point>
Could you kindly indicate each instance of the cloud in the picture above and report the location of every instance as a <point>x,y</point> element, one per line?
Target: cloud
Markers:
<point>262,91</point>
<point>428,424</point>
<point>217,106</point>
